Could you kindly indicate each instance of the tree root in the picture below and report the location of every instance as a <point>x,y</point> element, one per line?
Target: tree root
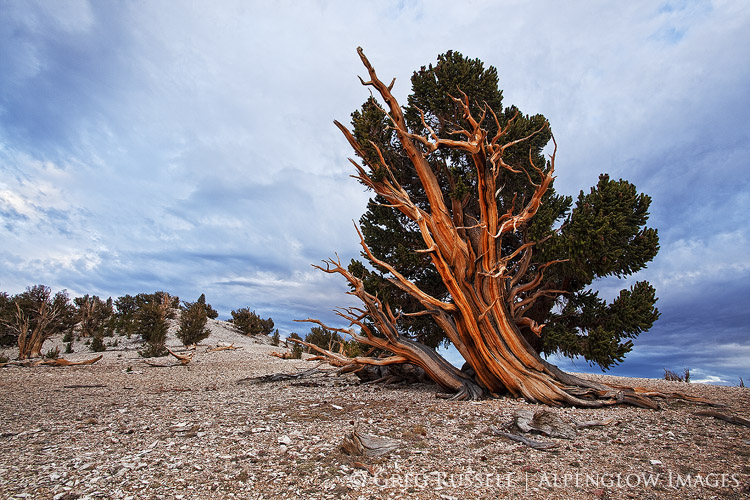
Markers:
<point>727,418</point>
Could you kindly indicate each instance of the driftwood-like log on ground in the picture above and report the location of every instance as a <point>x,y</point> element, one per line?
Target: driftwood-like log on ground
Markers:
<point>218,348</point>
<point>182,360</point>
<point>357,444</point>
<point>52,362</point>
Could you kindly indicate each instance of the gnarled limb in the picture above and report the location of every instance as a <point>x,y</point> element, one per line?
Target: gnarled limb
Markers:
<point>488,298</point>
<point>183,360</point>
<point>65,362</point>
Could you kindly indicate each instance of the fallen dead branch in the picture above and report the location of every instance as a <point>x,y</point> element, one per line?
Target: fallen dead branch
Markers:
<point>183,360</point>
<point>52,362</point>
<point>278,377</point>
<point>285,355</point>
<point>595,423</point>
<point>537,445</point>
<point>163,389</point>
<point>727,418</point>
<point>218,348</point>
<point>643,391</point>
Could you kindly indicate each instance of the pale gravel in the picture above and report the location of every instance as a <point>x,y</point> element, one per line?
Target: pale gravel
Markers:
<point>205,432</point>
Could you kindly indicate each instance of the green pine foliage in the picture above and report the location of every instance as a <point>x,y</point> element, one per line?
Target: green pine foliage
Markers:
<point>94,317</point>
<point>249,323</point>
<point>53,353</point>
<point>602,234</point>
<point>151,323</point>
<point>193,322</point>
<point>97,344</point>
<point>210,311</point>
<point>7,338</point>
<point>125,317</point>
<point>296,348</point>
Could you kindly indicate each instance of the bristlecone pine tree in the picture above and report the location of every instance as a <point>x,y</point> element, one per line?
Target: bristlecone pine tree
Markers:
<point>37,317</point>
<point>603,234</point>
<point>193,322</point>
<point>480,242</point>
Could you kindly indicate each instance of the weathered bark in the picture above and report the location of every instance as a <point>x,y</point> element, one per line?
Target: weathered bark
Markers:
<point>490,290</point>
<point>31,339</point>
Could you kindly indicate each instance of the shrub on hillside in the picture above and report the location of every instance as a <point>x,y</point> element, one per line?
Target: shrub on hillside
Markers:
<point>210,311</point>
<point>249,323</point>
<point>97,344</point>
<point>296,348</point>
<point>151,321</point>
<point>193,322</point>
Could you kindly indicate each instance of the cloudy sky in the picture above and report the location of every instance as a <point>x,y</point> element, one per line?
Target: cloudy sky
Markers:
<point>189,146</point>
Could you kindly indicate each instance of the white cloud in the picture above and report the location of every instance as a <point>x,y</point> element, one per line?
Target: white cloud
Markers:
<point>191,147</point>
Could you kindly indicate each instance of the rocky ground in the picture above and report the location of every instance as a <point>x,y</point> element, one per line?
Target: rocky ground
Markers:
<point>122,429</point>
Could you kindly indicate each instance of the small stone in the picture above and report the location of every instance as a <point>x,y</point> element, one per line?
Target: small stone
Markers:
<point>285,440</point>
<point>655,462</point>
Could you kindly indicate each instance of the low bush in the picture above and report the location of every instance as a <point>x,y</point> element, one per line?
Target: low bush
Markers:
<point>53,353</point>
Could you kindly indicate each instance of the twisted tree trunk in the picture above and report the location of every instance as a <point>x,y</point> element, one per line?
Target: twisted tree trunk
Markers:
<point>31,338</point>
<point>488,291</point>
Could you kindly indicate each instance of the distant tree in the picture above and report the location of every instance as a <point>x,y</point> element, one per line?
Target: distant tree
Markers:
<point>210,311</point>
<point>193,322</point>
<point>38,316</point>
<point>296,348</point>
<point>97,344</point>
<point>249,323</point>
<point>151,321</point>
<point>332,341</point>
<point>275,338</point>
<point>125,316</point>
<point>94,317</point>
<point>7,313</point>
